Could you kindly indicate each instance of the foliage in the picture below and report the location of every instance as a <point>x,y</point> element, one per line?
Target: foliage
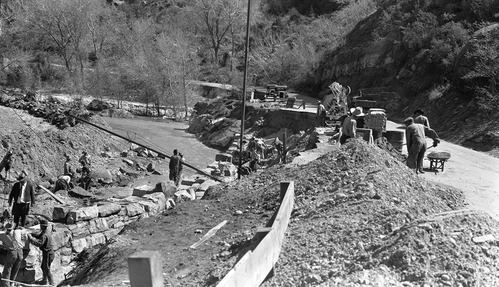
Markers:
<point>484,75</point>
<point>305,7</point>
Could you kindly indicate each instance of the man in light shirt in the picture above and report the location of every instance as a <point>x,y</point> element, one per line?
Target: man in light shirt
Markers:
<point>12,242</point>
<point>22,197</point>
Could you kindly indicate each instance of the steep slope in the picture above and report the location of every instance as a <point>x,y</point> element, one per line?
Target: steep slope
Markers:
<point>438,55</point>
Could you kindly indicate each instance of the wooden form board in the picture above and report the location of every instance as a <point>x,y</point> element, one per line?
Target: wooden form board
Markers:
<point>255,265</point>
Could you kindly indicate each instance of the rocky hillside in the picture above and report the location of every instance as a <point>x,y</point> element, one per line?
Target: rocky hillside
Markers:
<point>437,55</point>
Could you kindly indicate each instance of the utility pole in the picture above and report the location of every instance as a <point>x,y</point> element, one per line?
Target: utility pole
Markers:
<point>243,112</point>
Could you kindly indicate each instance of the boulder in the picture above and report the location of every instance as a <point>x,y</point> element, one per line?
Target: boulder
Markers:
<point>150,167</point>
<point>103,175</point>
<point>130,172</point>
<point>128,162</point>
<point>134,209</point>
<point>108,209</point>
<point>82,213</point>
<point>158,198</point>
<point>61,237</point>
<point>79,244</point>
<point>109,234</point>
<point>78,191</point>
<point>80,229</point>
<point>98,105</point>
<point>149,207</point>
<point>168,188</point>
<point>95,239</point>
<point>205,185</point>
<point>59,213</point>
<point>223,157</point>
<point>183,195</point>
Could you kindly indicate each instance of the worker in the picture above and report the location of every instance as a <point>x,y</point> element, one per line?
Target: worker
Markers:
<point>321,114</point>
<point>44,241</point>
<point>349,126</point>
<point>419,118</point>
<point>174,166</point>
<point>415,135</point>
<point>11,242</point>
<point>180,168</point>
<point>86,163</point>
<point>22,196</point>
<point>255,160</point>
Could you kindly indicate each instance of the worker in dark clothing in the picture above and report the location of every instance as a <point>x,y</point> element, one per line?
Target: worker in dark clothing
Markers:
<point>416,143</point>
<point>86,163</point>
<point>11,242</point>
<point>45,243</point>
<point>22,197</point>
<point>174,166</point>
<point>321,114</point>
<point>349,126</point>
<point>419,118</point>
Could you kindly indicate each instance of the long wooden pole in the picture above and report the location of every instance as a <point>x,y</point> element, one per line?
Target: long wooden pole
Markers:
<point>142,145</point>
<point>243,112</point>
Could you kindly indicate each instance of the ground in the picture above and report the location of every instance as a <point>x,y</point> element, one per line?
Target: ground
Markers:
<point>360,217</point>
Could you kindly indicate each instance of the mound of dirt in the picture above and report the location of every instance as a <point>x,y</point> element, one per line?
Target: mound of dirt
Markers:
<point>360,217</point>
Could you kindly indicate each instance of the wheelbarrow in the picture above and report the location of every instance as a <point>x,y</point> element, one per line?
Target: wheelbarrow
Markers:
<point>437,160</point>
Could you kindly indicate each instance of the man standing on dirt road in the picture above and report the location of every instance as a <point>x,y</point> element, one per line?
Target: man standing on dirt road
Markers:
<point>420,119</point>
<point>320,115</point>
<point>11,242</point>
<point>22,196</point>
<point>174,166</point>
<point>180,168</point>
<point>44,242</point>
<point>415,135</point>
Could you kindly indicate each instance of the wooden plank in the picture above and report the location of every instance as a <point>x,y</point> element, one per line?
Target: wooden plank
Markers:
<point>255,265</point>
<point>209,234</point>
<point>52,195</point>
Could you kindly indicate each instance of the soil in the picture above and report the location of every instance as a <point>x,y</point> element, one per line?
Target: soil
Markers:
<point>360,218</point>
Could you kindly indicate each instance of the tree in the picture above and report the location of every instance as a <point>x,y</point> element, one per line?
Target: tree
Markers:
<point>214,20</point>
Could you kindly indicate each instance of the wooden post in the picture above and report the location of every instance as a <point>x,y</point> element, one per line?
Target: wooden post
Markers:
<point>284,147</point>
<point>145,269</point>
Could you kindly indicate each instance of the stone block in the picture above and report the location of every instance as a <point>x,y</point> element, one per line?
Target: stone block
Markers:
<point>111,233</point>
<point>131,219</point>
<point>205,185</point>
<point>150,167</point>
<point>168,188</point>
<point>80,192</point>
<point>97,225</point>
<point>118,225</point>
<point>182,195</point>
<point>224,157</point>
<point>102,174</point>
<point>112,220</point>
<point>79,244</point>
<point>95,239</point>
<point>108,209</point>
<point>145,269</point>
<point>82,213</point>
<point>130,172</point>
<point>79,229</point>
<point>59,213</point>
<point>128,162</point>
<point>142,190</point>
<point>66,251</point>
<point>61,238</point>
<point>199,194</point>
<point>150,207</point>
<point>192,192</point>
<point>134,209</point>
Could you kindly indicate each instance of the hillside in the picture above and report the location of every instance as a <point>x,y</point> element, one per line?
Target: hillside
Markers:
<point>437,55</point>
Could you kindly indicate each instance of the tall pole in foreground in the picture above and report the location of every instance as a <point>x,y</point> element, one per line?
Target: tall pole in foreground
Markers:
<point>243,112</point>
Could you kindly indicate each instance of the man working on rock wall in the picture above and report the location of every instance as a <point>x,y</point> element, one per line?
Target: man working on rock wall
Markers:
<point>22,197</point>
<point>11,243</point>
<point>44,242</point>
<point>349,126</point>
<point>86,163</point>
<point>174,166</point>
<point>419,118</point>
<point>415,135</point>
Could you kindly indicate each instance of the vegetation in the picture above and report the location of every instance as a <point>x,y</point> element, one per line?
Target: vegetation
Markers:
<point>149,51</point>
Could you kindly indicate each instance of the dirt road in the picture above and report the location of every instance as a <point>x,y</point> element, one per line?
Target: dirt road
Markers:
<point>475,173</point>
<point>166,136</point>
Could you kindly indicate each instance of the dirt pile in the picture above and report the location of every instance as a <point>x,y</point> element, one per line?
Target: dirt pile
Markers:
<point>362,217</point>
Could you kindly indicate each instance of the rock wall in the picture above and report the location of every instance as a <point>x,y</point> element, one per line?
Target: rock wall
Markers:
<point>77,228</point>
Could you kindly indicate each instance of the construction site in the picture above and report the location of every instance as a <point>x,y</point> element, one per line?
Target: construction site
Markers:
<point>358,216</point>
